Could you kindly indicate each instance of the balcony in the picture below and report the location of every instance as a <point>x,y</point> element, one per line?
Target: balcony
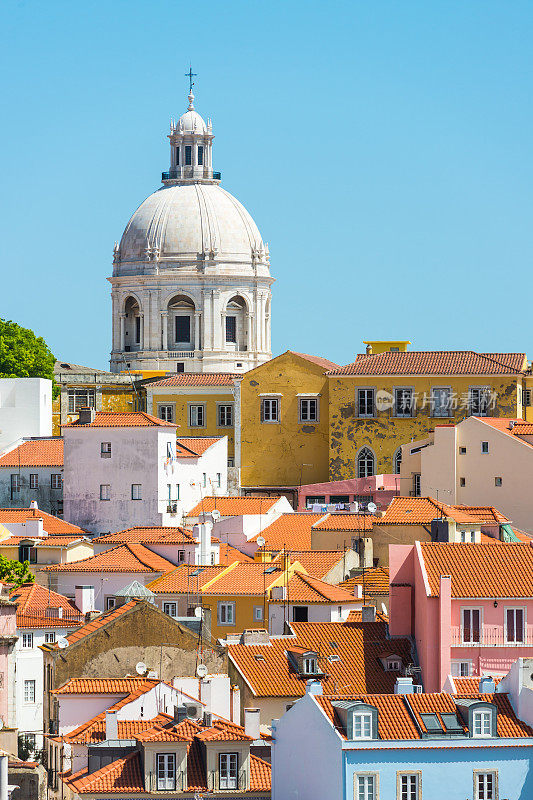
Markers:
<point>175,173</point>
<point>492,636</point>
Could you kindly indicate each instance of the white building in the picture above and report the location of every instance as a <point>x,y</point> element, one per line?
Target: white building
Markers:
<point>25,410</point>
<point>126,469</point>
<point>191,278</point>
<point>33,472</point>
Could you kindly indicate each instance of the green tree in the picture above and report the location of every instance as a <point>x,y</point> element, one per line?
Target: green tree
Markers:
<point>24,355</point>
<point>16,572</point>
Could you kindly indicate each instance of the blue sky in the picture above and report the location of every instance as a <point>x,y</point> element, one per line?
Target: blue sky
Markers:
<point>383,148</point>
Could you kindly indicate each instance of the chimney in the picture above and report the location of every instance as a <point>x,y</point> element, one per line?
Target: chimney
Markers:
<point>202,531</point>
<point>34,528</point>
<point>86,416</point>
<point>313,687</point>
<point>251,723</point>
<point>34,506</point>
<point>403,686</point>
<point>368,613</point>
<point>84,598</point>
<point>4,759</point>
<point>111,725</point>
<point>207,719</point>
<point>254,636</point>
<point>280,592</point>
<point>487,685</point>
<point>180,713</point>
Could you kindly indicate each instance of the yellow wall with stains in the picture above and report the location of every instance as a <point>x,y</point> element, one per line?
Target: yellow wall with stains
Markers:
<point>181,405</point>
<point>272,454</point>
<point>111,399</point>
<point>384,433</point>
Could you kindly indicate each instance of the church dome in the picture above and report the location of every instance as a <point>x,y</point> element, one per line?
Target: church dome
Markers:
<point>179,222</point>
<point>191,122</point>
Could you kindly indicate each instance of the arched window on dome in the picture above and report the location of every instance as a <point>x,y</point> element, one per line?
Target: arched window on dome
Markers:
<point>133,332</point>
<point>180,327</point>
<point>366,463</point>
<point>397,461</point>
<point>234,330</point>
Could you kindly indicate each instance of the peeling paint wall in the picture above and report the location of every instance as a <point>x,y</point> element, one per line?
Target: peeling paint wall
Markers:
<point>108,398</point>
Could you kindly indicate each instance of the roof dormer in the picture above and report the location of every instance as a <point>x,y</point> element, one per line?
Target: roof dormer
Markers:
<point>306,662</point>
<point>359,720</point>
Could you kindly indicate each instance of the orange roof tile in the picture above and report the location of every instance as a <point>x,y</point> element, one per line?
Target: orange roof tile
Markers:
<point>197,379</point>
<point>269,673</point>
<point>99,622</point>
<point>321,362</point>
<point>260,774</point>
<point>345,522</point>
<point>93,731</point>
<point>46,541</point>
<point>192,448</point>
<point>315,562</point>
<point>105,686</point>
<point>52,525</point>
<point>234,506</point>
<point>132,557</point>
<point>241,578</point>
<point>292,531</point>
<point>422,510</point>
<point>124,775</point>
<point>122,419</point>
<point>35,453</point>
<point>223,731</point>
<point>436,362</point>
<point>466,686</point>
<point>480,570</point>
<point>357,616</point>
<point>375,581</point>
<point>228,554</point>
<point>147,534</point>
<point>308,589</point>
<point>184,578</point>
<point>37,607</point>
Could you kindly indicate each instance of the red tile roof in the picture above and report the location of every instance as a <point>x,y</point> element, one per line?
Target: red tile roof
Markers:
<point>197,379</point>
<point>345,522</point>
<point>308,589</point>
<point>321,362</point>
<point>375,581</point>
<point>46,541</point>
<point>469,686</point>
<point>315,562</point>
<point>52,525</point>
<point>184,579</point>
<point>93,731</point>
<point>269,673</point>
<point>122,419</point>
<point>437,362</point>
<point>422,510</point>
<point>132,557</point>
<point>124,775</point>
<point>228,554</point>
<point>194,447</point>
<point>38,607</point>
<point>149,535</point>
<point>234,506</point>
<point>357,616</point>
<point>105,686</point>
<point>241,578</point>
<point>99,622</point>
<point>480,570</point>
<point>35,453</point>
<point>292,531</point>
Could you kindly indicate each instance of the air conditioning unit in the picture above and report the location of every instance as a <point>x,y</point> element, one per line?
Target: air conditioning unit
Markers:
<point>194,710</point>
<point>417,688</point>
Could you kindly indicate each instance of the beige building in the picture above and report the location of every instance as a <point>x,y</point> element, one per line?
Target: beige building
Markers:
<point>478,462</point>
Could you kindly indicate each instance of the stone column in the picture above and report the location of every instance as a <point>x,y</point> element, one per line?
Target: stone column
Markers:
<point>122,332</point>
<point>197,317</point>
<point>206,320</point>
<point>223,330</point>
<point>141,332</point>
<point>249,320</point>
<point>164,317</point>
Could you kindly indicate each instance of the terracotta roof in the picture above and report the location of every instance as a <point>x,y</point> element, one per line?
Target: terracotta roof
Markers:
<point>260,775</point>
<point>124,775</point>
<point>52,525</point>
<point>357,616</point>
<point>46,541</point>
<point>480,570</point>
<point>35,453</point>
<point>422,510</point>
<point>197,379</point>
<point>308,589</point>
<point>321,362</point>
<point>105,686</point>
<point>241,578</point>
<point>228,554</point>
<point>151,535</point>
<point>375,581</point>
<point>223,731</point>
<point>37,607</point>
<point>184,578</point>
<point>133,557</point>
<point>292,531</point>
<point>470,686</point>
<point>315,562</point>
<point>122,419</point>
<point>508,425</point>
<point>487,515</point>
<point>436,362</point>
<point>269,673</point>
<point>397,713</point>
<point>345,522</point>
<point>99,622</point>
<point>192,448</point>
<point>234,506</point>
<point>93,731</point>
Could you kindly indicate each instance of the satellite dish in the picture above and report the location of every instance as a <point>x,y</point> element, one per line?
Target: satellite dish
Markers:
<point>201,670</point>
<point>140,668</point>
<point>198,611</point>
<point>261,541</point>
<point>62,642</point>
<point>372,508</point>
<point>215,513</point>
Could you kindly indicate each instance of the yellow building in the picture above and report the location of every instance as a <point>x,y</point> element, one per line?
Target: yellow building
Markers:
<point>389,397</point>
<point>201,404</point>
<point>284,422</point>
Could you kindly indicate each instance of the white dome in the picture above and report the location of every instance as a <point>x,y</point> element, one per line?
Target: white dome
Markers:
<point>191,122</point>
<point>181,221</point>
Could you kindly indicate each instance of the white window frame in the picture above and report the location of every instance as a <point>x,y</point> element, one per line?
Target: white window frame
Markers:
<point>362,725</point>
<point>110,602</point>
<point>484,717</point>
<point>49,637</point>
<point>478,390</point>
<point>56,480</point>
<point>483,773</point>
<point>273,416</point>
<point>359,454</point>
<point>258,613</point>
<point>398,413</point>
<point>225,411</point>
<point>29,690</point>
<point>228,777</point>
<point>27,641</point>
<point>105,449</point>
<point>483,451</point>
<point>369,792</point>
<point>514,609</point>
<point>171,608</point>
<point>34,480</point>
<point>310,665</point>
<point>105,491</point>
<point>136,491</point>
<point>195,416</point>
<point>470,609</point>
<point>305,413</point>
<point>166,411</point>
<point>366,396</point>
<point>405,785</point>
<point>226,612</point>
<point>165,776</point>
<point>460,668</point>
<point>433,411</point>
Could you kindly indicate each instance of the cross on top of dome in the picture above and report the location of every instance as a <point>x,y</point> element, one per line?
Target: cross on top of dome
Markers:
<point>190,75</point>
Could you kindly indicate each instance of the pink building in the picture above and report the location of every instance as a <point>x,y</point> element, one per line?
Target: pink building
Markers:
<point>378,489</point>
<point>467,606</point>
<point>8,638</point>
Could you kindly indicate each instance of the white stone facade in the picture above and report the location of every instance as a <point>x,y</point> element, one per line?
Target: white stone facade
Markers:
<point>25,410</point>
<point>191,277</point>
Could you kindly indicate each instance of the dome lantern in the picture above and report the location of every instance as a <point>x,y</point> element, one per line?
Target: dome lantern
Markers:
<point>191,146</point>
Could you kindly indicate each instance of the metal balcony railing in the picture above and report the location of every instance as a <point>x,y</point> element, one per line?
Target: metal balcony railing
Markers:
<point>176,172</point>
<point>492,636</point>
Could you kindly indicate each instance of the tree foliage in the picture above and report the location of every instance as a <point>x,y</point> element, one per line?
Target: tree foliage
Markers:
<point>15,572</point>
<point>23,354</point>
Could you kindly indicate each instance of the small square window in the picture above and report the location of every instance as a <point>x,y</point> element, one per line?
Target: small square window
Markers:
<point>136,491</point>
<point>308,410</point>
<point>34,480</point>
<point>484,447</point>
<point>497,481</point>
<point>105,491</point>
<point>105,450</point>
<point>49,637</point>
<point>462,451</point>
<point>270,410</point>
<point>56,481</point>
<point>258,613</point>
<point>462,481</point>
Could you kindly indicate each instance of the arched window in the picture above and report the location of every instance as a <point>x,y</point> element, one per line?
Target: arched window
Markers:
<point>234,326</point>
<point>132,325</point>
<point>397,460</point>
<point>180,323</point>
<point>365,463</point>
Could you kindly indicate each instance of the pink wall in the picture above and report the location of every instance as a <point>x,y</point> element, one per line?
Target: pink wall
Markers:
<point>8,628</point>
<point>382,488</point>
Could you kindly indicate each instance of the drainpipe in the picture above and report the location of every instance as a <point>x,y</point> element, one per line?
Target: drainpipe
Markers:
<point>3,775</point>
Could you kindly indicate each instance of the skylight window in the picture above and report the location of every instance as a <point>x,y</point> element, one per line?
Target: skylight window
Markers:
<point>431,723</point>
<point>333,657</point>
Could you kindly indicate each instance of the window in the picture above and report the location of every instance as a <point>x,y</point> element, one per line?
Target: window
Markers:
<point>27,640</point>
<point>300,614</point>
<point>462,481</point>
<point>484,447</point>
<point>188,155</point>
<point>527,397</point>
<point>170,609</point>
<point>365,463</point>
<point>478,401</point>
<point>29,741</point>
<point>15,484</point>
<point>397,461</point>
<point>81,398</point>
<point>497,481</point>
<point>200,155</point>
<point>183,329</point>
<point>105,450</point>
<point>258,613</point>
<point>197,415</point>
<point>27,553</point>
<point>471,618</point>
<point>362,726</point>
<point>468,536</point>
<point>181,556</point>
<point>137,330</point>
<point>219,480</point>
<point>226,613</point>
<point>166,413</point>
<point>231,329</point>
<point>105,491</point>
<point>177,156</point>
<point>441,401</point>
<point>56,480</point>
<point>485,785</point>
<point>514,625</point>
<point>227,765</point>
<point>231,462</point>
<point>177,491</point>
<point>461,669</point>
<point>170,452</point>
<point>166,768</point>
<point>403,402</point>
<point>225,416</point>
<point>365,787</point>
<point>365,402</point>
<point>29,691</point>
<point>270,410</point>
<point>308,410</point>
<point>339,498</point>
<point>417,484</point>
<point>204,479</point>
<point>409,786</point>
<point>462,451</point>
<point>110,602</point>
<point>312,500</point>
<point>136,491</point>
<point>34,480</point>
<point>482,723</point>
<point>310,665</point>
<point>49,637</point>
